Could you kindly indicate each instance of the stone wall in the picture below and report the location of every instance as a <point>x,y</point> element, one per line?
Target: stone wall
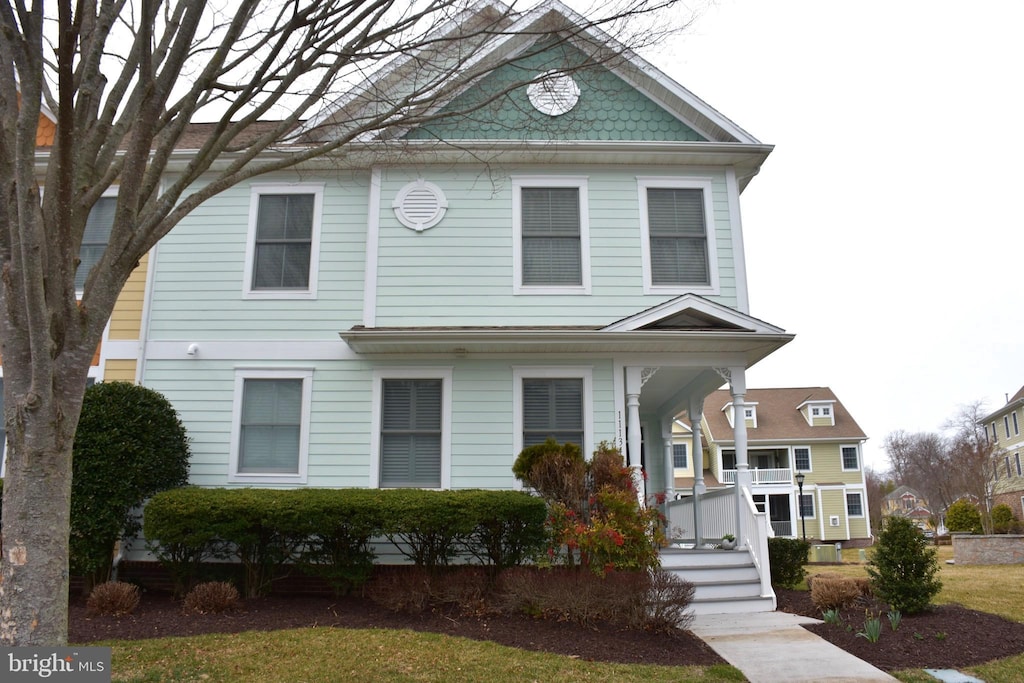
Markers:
<point>998,549</point>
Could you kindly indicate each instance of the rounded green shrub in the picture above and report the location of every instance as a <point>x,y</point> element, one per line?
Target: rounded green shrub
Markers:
<point>1003,519</point>
<point>963,516</point>
<point>129,445</point>
<point>903,567</point>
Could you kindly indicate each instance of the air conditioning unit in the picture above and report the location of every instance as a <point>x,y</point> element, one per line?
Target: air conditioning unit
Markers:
<point>833,520</point>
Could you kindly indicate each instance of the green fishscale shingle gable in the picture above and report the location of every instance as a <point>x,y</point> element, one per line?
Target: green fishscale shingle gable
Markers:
<point>608,108</point>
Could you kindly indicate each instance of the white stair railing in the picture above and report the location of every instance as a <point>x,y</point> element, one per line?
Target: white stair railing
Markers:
<point>757,530</point>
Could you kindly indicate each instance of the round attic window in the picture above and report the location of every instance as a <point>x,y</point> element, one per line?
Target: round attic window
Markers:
<point>554,94</point>
<point>420,205</point>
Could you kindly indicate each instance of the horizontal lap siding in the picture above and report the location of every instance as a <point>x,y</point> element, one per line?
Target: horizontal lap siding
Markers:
<point>460,272</point>
<point>827,464</point>
<point>200,269</point>
<point>482,453</point>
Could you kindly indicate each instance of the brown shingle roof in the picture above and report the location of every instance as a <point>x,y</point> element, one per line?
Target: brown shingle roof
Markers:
<point>778,418</point>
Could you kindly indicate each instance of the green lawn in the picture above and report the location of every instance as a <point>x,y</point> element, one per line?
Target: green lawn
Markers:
<point>309,655</point>
<point>997,589</point>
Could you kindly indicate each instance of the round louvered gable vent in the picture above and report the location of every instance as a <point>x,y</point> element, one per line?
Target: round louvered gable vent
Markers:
<point>554,93</point>
<point>420,205</point>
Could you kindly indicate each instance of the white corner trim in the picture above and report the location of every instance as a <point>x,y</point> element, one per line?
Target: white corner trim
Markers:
<point>372,250</point>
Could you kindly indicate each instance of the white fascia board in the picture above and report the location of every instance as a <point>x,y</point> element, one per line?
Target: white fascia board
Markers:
<point>697,303</point>
<point>816,402</point>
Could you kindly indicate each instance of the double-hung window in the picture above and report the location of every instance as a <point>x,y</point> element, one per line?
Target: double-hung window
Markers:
<point>679,459</point>
<point>850,459</point>
<point>806,505</point>
<point>411,434</point>
<point>677,222</point>
<point>552,402</point>
<point>552,244</point>
<point>95,237</point>
<point>270,433</point>
<point>283,249</point>
<point>802,459</point>
<point>854,505</point>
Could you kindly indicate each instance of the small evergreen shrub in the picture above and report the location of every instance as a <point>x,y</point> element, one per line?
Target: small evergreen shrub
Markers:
<point>112,599</point>
<point>833,593</point>
<point>903,567</point>
<point>787,558</point>
<point>211,597</point>
<point>963,516</point>
<point>556,471</point>
<point>1003,519</point>
<point>129,445</point>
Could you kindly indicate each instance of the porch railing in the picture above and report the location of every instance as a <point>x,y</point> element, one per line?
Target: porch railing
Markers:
<point>781,475</point>
<point>756,532</point>
<point>718,516</point>
<point>782,528</point>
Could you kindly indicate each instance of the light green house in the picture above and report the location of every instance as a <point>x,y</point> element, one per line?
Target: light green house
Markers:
<point>564,260</point>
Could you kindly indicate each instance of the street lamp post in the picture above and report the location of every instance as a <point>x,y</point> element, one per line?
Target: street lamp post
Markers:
<point>800,502</point>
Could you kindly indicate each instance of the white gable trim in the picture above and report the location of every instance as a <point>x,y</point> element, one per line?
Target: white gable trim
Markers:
<point>692,302</point>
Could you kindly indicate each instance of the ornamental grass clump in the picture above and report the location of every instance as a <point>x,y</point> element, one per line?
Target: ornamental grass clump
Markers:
<point>212,597</point>
<point>833,593</point>
<point>112,599</point>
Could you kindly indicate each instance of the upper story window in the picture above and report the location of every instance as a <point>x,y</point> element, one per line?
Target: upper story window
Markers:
<point>551,251</point>
<point>679,459</point>
<point>850,459</point>
<point>1016,424</point>
<point>270,432</point>
<point>995,434</point>
<point>282,257</point>
<point>802,459</point>
<point>676,218</point>
<point>1006,425</point>
<point>95,237</point>
<point>411,438</point>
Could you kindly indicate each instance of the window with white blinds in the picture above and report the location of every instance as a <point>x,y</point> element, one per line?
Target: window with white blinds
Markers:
<point>95,237</point>
<point>551,236</point>
<point>553,407</point>
<point>284,234</point>
<point>271,426</point>
<point>678,236</point>
<point>411,433</point>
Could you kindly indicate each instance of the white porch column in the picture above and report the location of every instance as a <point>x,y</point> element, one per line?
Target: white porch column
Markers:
<point>633,439</point>
<point>697,458</point>
<point>670,470</point>
<point>737,378</point>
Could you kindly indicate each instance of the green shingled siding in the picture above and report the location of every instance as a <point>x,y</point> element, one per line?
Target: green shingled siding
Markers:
<point>608,108</point>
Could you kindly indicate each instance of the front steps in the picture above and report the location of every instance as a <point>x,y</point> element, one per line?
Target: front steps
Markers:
<point>726,581</point>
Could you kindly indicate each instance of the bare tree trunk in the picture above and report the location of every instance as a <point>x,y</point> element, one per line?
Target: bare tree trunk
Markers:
<point>36,512</point>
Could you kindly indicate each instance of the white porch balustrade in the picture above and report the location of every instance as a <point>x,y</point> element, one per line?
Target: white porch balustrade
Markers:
<point>783,475</point>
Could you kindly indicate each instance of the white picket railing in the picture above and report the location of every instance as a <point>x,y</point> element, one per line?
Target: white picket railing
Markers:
<point>756,531</point>
<point>782,475</point>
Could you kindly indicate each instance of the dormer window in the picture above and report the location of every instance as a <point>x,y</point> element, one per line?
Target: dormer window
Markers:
<point>749,414</point>
<point>819,413</point>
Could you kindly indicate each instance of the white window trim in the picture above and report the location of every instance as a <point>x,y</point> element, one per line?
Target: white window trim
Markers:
<point>242,374</point>
<point>109,192</point>
<point>814,505</point>
<point>259,189</point>
<point>699,183</point>
<point>445,374</point>
<point>842,462</point>
<point>580,183</point>
<point>686,447</point>
<point>1016,423</point>
<point>792,459</point>
<point>863,509</point>
<point>1006,425</point>
<point>519,373</point>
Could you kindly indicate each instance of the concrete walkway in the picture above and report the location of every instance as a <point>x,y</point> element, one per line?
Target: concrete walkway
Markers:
<point>773,647</point>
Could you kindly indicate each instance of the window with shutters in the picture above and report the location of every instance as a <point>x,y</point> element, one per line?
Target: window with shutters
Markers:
<point>95,238</point>
<point>551,250</point>
<point>270,433</point>
<point>283,248</point>
<point>411,440</point>
<point>552,402</point>
<point>677,223</point>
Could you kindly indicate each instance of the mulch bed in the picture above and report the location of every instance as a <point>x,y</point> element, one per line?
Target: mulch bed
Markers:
<point>947,636</point>
<point>158,616</point>
<point>944,637</point>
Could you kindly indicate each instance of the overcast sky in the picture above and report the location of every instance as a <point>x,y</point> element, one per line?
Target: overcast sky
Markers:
<point>884,229</point>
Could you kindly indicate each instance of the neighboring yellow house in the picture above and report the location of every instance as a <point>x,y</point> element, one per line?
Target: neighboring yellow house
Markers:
<point>906,502</point>
<point>792,431</point>
<point>117,356</point>
<point>1005,426</point>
